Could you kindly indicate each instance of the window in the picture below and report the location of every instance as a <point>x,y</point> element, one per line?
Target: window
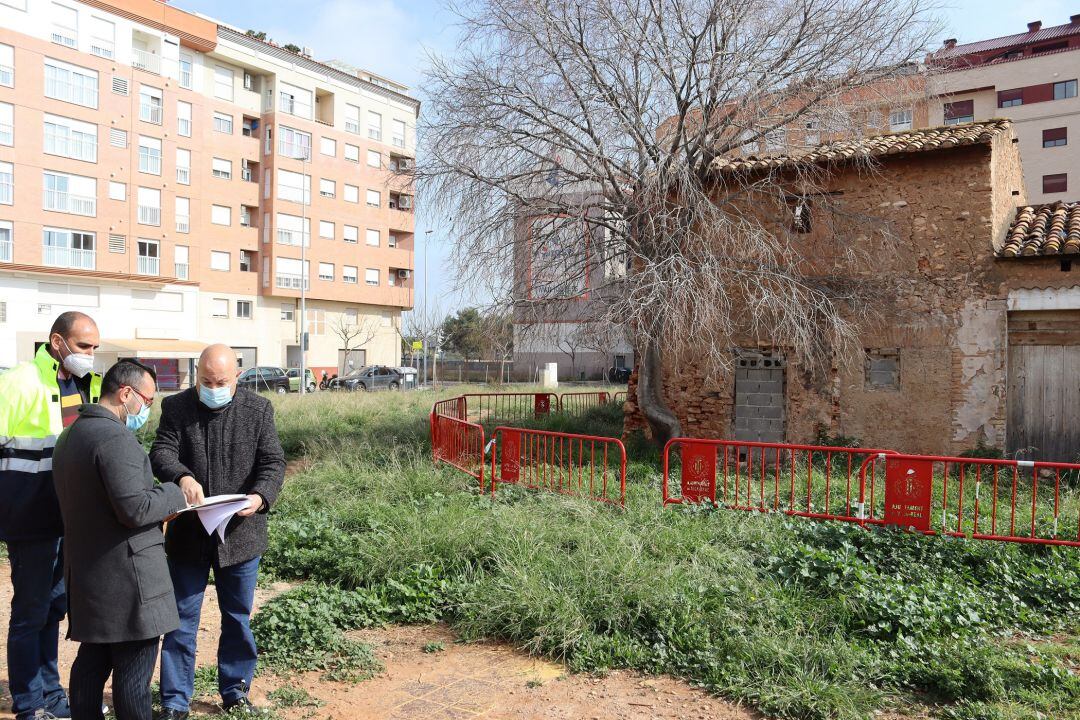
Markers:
<point>348,274</point>
<point>7,65</point>
<point>352,317</point>
<point>1055,137</point>
<point>1010,98</point>
<point>7,183</point>
<point>223,123</point>
<point>328,146</point>
<point>288,274</point>
<point>294,187</point>
<point>180,262</point>
<point>219,308</point>
<point>221,214</point>
<point>148,260</point>
<point>326,229</point>
<point>883,369</point>
<point>288,312</point>
<point>243,309</point>
<point>327,188</point>
<point>371,276</point>
<point>72,83</point>
<point>351,233</point>
<point>183,166</point>
<point>102,37</point>
<point>183,118</point>
<point>150,104</point>
<point>1057,183</point>
<point>220,260</point>
<point>900,119</point>
<point>352,119</point>
<point>67,138</point>
<point>117,191</point>
<point>117,137</point>
<point>6,228</point>
<point>223,83</point>
<point>221,168</point>
<point>374,125</point>
<point>1063,90</point>
<point>149,155</point>
<point>149,206</point>
<point>183,215</point>
<point>186,65</point>
<point>7,124</point>
<point>775,140</point>
<point>398,133</point>
<point>70,194</point>
<point>294,100</point>
<point>65,25</point>
<point>316,321</point>
<point>68,248</point>
<point>352,193</point>
<point>373,237</point>
<point>374,159</point>
<point>294,143</point>
<point>326,271</point>
<point>352,153</point>
<point>247,263</point>
<point>374,198</point>
<point>293,229</point>
<point>961,111</point>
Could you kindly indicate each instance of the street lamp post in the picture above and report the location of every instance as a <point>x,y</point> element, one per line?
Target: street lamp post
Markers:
<point>427,247</point>
<point>304,199</point>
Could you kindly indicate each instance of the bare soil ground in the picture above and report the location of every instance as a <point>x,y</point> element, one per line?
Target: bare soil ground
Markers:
<point>474,680</point>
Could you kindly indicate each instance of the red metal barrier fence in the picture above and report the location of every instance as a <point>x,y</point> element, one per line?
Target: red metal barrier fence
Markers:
<point>807,480</point>
<point>619,397</point>
<point>458,443</point>
<point>580,401</point>
<point>507,407</point>
<point>582,465</point>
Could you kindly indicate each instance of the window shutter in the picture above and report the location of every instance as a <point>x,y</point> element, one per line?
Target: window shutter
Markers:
<point>1054,134</point>
<point>959,109</point>
<point>118,244</point>
<point>119,85</point>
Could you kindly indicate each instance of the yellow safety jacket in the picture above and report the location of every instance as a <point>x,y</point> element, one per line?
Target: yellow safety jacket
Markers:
<point>30,422</point>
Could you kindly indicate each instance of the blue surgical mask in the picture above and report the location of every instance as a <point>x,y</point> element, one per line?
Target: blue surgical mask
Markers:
<point>215,398</point>
<point>135,421</point>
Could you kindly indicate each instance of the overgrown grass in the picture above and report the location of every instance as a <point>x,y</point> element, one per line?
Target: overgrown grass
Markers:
<point>800,619</point>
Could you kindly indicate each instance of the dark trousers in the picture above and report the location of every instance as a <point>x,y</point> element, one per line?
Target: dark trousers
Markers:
<point>132,667</point>
<point>38,604</point>
<point>236,654</point>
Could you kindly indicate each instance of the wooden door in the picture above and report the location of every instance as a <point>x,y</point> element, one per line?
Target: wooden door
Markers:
<point>1043,386</point>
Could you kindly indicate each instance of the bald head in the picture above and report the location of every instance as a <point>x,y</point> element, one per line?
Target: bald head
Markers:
<point>73,332</point>
<point>218,368</point>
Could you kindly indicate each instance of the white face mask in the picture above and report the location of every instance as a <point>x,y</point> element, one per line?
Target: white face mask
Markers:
<point>78,364</point>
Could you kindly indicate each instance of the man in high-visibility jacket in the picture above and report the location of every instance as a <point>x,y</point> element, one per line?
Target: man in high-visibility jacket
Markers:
<point>38,399</point>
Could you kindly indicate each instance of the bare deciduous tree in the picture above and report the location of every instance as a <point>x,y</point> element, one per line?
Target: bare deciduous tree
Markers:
<point>616,116</point>
<point>353,335</point>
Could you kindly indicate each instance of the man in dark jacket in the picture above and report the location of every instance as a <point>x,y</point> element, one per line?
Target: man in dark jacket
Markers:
<point>120,599</point>
<point>213,440</point>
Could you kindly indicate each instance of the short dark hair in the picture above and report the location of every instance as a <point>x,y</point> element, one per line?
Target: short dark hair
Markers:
<point>126,373</point>
<point>65,321</point>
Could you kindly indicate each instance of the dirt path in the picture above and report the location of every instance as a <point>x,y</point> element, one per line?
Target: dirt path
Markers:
<point>475,680</point>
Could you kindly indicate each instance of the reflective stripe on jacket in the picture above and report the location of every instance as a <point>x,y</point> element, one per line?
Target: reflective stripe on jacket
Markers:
<point>30,423</point>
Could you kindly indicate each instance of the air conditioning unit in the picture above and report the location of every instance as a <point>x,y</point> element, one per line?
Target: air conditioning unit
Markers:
<point>306,52</point>
<point>403,274</point>
<point>249,81</point>
<point>405,202</point>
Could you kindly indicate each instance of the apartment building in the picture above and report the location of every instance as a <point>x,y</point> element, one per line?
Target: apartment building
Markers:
<point>180,181</point>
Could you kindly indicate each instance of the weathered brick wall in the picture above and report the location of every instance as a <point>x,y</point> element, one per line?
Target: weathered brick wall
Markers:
<point>947,315</point>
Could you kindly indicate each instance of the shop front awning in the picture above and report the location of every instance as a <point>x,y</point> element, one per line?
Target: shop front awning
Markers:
<point>151,349</point>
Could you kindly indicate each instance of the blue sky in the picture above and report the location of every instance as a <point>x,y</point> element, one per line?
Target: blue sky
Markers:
<point>393,38</point>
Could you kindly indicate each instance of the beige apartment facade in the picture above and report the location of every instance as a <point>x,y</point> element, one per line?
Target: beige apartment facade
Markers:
<point>167,175</point>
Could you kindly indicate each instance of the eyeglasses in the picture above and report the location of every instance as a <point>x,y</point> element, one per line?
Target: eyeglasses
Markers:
<point>149,402</point>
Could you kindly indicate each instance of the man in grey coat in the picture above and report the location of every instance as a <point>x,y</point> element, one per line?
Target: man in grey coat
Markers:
<point>215,439</point>
<point>120,597</point>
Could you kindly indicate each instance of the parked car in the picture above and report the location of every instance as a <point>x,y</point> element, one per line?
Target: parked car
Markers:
<point>618,374</point>
<point>371,377</point>
<point>264,378</point>
<point>294,379</point>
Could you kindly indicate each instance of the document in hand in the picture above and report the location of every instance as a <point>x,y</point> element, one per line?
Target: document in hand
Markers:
<point>216,511</point>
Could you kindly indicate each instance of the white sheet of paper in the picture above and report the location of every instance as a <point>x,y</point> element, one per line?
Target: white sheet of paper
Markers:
<point>217,510</point>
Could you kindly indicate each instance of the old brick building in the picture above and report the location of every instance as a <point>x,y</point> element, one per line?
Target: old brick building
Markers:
<point>978,338</point>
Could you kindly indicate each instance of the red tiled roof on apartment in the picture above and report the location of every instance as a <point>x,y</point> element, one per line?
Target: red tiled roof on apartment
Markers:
<point>907,141</point>
<point>1008,41</point>
<point>1044,230</point>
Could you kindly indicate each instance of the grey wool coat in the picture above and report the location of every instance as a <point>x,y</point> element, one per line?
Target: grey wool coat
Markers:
<point>115,568</point>
<point>234,449</point>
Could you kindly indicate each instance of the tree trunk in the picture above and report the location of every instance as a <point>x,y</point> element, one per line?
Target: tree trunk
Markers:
<point>650,396</point>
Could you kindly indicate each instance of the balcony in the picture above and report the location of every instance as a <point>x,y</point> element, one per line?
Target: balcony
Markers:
<point>180,270</point>
<point>81,147</point>
<point>60,201</point>
<point>149,215</point>
<point>85,95</point>
<point>147,265</point>
<point>352,126</point>
<point>183,175</point>
<point>144,60</point>
<point>64,36</point>
<point>149,163</point>
<point>289,281</point>
<point>7,134</point>
<point>291,105</point>
<point>68,257</point>
<point>102,48</point>
<point>7,248</point>
<point>292,237</point>
<point>374,133</point>
<point>183,224</point>
<point>150,113</point>
<point>296,151</point>
<point>398,141</point>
